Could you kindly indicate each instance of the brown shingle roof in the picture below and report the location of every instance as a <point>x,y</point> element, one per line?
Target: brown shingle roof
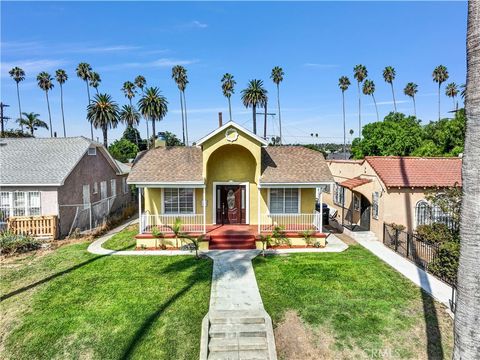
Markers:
<point>171,164</point>
<point>398,171</point>
<point>293,164</point>
<point>354,182</point>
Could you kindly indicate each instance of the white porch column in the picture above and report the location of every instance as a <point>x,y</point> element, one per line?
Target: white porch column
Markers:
<point>258,210</point>
<point>321,211</point>
<point>204,206</point>
<point>140,210</point>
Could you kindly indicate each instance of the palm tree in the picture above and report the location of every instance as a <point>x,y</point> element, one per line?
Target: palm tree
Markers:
<point>18,75</point>
<point>32,122</point>
<point>389,76</point>
<point>84,71</point>
<point>228,89</point>
<point>277,77</point>
<point>369,89</point>
<point>440,75</point>
<point>411,90</point>
<point>179,75</point>
<point>95,80</point>
<point>45,83</point>
<point>153,106</point>
<point>140,83</point>
<point>254,95</point>
<point>130,116</point>
<point>360,73</point>
<point>103,113</point>
<point>343,84</point>
<point>467,321</point>
<point>128,89</point>
<point>451,90</point>
<point>62,77</point>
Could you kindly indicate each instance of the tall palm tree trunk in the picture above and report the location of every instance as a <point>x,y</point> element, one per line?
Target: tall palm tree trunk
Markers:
<point>183,118</point>
<point>105,136</point>
<point>230,108</point>
<point>49,114</point>
<point>344,129</point>
<point>376,107</point>
<point>414,106</point>
<point>254,110</point>
<point>439,84</point>
<point>31,130</point>
<point>359,111</point>
<point>88,94</point>
<point>186,122</point>
<point>279,112</point>
<point>19,107</point>
<point>148,135</point>
<point>63,115</point>
<point>153,132</point>
<point>467,319</point>
<point>393,95</point>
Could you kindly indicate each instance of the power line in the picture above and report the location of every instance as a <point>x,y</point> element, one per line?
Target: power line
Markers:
<point>3,118</point>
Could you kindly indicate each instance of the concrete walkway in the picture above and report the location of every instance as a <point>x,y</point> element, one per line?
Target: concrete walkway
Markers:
<point>436,288</point>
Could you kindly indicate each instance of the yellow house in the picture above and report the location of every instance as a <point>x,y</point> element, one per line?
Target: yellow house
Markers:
<point>231,179</point>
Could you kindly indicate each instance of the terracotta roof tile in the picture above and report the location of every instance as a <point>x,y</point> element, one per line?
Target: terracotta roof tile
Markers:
<point>170,164</point>
<point>398,171</point>
<point>354,182</point>
<point>297,164</point>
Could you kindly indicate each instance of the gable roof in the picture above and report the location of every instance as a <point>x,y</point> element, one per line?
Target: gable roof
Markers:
<point>403,171</point>
<point>238,127</point>
<point>43,161</point>
<point>293,164</point>
<point>168,164</point>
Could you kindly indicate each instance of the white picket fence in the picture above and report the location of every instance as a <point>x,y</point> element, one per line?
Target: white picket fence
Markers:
<point>191,223</point>
<point>291,222</point>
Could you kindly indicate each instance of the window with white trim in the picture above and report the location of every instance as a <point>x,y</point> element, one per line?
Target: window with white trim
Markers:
<point>284,201</point>
<point>124,185</point>
<point>19,203</point>
<point>86,196</point>
<point>95,188</point>
<point>178,201</point>
<point>338,194</point>
<point>375,199</point>
<point>103,190</point>
<point>113,187</point>
<point>92,151</point>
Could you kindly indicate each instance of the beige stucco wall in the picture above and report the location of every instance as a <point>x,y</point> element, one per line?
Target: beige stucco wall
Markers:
<point>48,197</point>
<point>395,204</point>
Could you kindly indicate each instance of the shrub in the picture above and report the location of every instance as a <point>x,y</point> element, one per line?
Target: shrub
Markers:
<point>445,264</point>
<point>307,236</point>
<point>11,243</point>
<point>436,233</point>
<point>279,237</point>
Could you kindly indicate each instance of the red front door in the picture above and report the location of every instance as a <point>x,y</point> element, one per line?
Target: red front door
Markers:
<point>231,204</point>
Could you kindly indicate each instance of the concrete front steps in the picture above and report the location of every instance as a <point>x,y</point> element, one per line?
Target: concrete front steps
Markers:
<point>232,242</point>
<point>239,335</point>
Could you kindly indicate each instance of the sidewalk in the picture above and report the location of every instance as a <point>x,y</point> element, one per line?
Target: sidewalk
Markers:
<point>436,288</point>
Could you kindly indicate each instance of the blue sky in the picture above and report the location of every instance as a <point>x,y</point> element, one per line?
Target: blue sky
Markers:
<point>314,42</point>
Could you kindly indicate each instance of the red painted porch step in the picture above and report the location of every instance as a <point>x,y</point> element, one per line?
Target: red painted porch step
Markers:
<point>231,242</point>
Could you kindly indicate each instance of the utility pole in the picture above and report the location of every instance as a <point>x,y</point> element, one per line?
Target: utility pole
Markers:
<point>3,118</point>
<point>265,121</point>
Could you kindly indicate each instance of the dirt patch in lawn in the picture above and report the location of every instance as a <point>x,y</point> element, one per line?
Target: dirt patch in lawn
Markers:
<point>295,340</point>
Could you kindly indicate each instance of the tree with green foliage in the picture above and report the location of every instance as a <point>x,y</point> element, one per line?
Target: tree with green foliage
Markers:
<point>95,80</point>
<point>440,75</point>
<point>140,83</point>
<point>103,113</point>
<point>128,90</point>
<point>369,89</point>
<point>132,134</point>
<point>61,77</point>
<point>228,89</point>
<point>130,116</point>
<point>277,77</point>
<point>410,90</point>
<point>179,75</point>
<point>45,82</point>
<point>451,90</point>
<point>389,76</point>
<point>84,71</point>
<point>32,122</point>
<point>153,106</point>
<point>343,84</point>
<point>123,150</point>
<point>171,139</point>
<point>18,75</point>
<point>360,73</point>
<point>254,95</point>
<point>396,135</point>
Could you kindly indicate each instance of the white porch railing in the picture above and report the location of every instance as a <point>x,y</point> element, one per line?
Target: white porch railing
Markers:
<point>191,223</point>
<point>291,222</point>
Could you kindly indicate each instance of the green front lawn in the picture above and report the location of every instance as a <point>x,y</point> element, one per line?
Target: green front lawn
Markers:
<point>352,306</point>
<point>70,304</point>
<point>124,240</point>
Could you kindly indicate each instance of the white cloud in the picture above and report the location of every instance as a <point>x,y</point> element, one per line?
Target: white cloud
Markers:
<point>32,67</point>
<point>162,62</point>
<point>29,47</point>
<point>195,24</point>
<point>390,102</point>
